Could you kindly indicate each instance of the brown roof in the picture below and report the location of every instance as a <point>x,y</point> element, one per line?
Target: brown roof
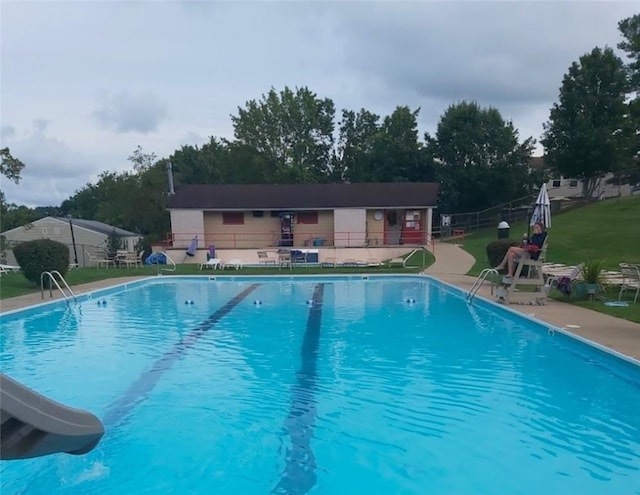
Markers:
<point>304,196</point>
<point>537,163</point>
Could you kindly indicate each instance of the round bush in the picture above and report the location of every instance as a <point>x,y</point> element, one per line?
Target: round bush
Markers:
<point>42,255</point>
<point>496,250</point>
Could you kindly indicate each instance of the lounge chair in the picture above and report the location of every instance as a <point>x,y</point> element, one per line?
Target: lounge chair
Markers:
<point>234,263</point>
<point>329,262</point>
<point>374,262</point>
<point>10,268</point>
<point>554,280</point>
<point>630,279</point>
<point>397,261</point>
<point>212,263</point>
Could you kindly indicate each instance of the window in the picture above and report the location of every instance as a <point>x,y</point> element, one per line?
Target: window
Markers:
<point>233,218</point>
<point>556,183</point>
<point>43,230</point>
<point>573,183</point>
<point>56,231</point>
<point>307,217</point>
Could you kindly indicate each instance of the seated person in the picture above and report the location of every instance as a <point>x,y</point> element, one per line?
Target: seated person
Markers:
<point>532,249</point>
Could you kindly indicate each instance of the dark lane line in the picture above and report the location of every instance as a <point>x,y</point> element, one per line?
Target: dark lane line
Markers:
<point>138,391</point>
<point>299,475</point>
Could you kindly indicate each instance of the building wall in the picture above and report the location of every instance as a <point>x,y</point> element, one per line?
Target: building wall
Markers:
<point>350,227</point>
<point>559,186</point>
<point>185,225</point>
<point>262,232</point>
<point>375,228</point>
<point>256,232</point>
<point>303,233</point>
<point>87,241</point>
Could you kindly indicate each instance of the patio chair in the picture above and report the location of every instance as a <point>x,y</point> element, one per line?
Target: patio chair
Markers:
<point>284,258</point>
<point>265,259</point>
<point>99,261</point>
<point>630,279</point>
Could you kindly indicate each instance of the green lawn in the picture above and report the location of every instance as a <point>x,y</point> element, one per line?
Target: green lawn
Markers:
<point>608,231</point>
<point>14,284</point>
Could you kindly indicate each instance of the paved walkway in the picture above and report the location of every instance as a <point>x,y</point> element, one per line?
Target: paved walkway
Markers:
<point>36,297</point>
<point>623,336</point>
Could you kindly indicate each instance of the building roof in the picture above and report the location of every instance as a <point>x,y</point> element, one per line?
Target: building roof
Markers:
<point>305,196</point>
<point>100,227</point>
<point>537,163</point>
<point>93,225</point>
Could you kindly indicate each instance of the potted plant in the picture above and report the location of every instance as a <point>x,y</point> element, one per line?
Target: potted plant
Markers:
<point>592,278</point>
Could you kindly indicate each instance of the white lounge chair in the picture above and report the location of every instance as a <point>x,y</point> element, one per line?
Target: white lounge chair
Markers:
<point>234,263</point>
<point>10,268</point>
<point>213,263</point>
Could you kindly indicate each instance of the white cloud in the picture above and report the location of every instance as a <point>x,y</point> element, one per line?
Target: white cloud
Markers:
<point>170,73</point>
<point>129,112</point>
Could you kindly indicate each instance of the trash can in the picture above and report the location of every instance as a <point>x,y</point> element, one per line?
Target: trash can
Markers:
<point>503,230</point>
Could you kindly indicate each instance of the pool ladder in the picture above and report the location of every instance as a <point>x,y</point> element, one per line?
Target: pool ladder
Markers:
<point>169,262</point>
<point>52,276</point>
<point>479,281</point>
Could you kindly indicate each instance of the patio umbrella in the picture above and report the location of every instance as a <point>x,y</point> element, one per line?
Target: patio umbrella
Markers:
<point>542,209</point>
<point>193,247</point>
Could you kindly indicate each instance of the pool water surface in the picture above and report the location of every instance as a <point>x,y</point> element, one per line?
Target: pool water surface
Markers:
<point>326,385</point>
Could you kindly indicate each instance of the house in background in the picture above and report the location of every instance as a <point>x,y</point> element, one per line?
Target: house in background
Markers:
<point>559,186</point>
<point>91,236</point>
<point>258,216</point>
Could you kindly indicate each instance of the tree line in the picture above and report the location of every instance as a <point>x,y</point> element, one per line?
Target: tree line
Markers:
<point>295,136</point>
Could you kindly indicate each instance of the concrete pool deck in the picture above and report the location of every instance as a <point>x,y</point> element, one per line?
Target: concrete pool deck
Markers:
<point>451,265</point>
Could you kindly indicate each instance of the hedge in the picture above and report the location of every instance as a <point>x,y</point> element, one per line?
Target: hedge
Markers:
<point>496,250</point>
<point>42,255</point>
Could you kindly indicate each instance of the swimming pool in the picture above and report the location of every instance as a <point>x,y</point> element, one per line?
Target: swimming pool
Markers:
<point>377,386</point>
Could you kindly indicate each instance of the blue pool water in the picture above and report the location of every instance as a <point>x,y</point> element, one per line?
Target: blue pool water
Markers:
<point>358,393</point>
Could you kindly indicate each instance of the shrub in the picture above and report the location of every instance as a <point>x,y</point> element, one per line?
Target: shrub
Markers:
<point>496,250</point>
<point>42,255</point>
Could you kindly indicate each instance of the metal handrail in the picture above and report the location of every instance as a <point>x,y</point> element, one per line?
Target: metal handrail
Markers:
<point>478,282</point>
<point>169,261</point>
<point>52,275</point>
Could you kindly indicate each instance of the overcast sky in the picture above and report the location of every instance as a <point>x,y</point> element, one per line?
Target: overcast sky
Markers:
<point>83,83</point>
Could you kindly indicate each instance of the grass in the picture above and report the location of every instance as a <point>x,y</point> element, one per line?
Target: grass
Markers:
<point>14,284</point>
<point>607,231</point>
<point>631,312</point>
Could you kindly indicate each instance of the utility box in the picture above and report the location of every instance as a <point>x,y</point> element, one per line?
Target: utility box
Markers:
<point>503,230</point>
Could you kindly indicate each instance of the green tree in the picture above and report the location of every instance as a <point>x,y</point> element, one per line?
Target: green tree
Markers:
<point>292,130</point>
<point>586,135</point>
<point>398,156</point>
<point>10,166</point>
<point>630,30</point>
<point>480,160</point>
<point>354,157</point>
<point>140,160</point>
